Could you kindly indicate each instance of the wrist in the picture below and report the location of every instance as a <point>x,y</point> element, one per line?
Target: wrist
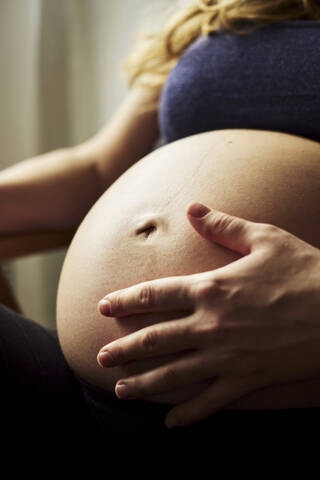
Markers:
<point>16,208</point>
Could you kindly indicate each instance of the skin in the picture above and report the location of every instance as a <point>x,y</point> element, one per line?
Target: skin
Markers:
<point>76,177</point>
<point>138,231</point>
<point>228,305</point>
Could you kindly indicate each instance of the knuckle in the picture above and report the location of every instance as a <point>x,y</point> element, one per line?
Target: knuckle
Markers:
<point>117,304</point>
<point>146,295</point>
<point>205,288</point>
<point>270,229</point>
<point>243,362</point>
<point>273,239</point>
<point>170,376</point>
<point>211,327</point>
<point>149,340</point>
<point>183,289</point>
<point>222,221</point>
<point>266,232</point>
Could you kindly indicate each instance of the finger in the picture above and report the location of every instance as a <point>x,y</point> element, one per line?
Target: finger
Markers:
<point>222,392</point>
<point>191,368</point>
<point>155,340</point>
<point>160,295</point>
<point>232,232</point>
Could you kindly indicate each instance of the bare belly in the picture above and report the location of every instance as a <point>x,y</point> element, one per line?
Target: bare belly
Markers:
<point>138,230</point>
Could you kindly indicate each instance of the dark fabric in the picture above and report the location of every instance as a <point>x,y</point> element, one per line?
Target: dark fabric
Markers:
<point>42,400</point>
<point>266,80</point>
<point>145,420</point>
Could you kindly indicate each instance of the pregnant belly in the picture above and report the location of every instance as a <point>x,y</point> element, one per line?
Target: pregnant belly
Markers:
<point>138,231</point>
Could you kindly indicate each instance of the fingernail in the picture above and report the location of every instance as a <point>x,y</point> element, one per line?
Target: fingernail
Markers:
<point>122,390</point>
<point>198,210</point>
<point>105,307</point>
<point>104,359</point>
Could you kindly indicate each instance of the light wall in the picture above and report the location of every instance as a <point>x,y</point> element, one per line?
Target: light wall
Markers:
<point>60,82</point>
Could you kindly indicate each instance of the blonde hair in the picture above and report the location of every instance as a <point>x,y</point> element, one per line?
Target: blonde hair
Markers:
<point>156,53</point>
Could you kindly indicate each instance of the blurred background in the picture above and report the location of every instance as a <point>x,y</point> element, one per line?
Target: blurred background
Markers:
<point>60,83</point>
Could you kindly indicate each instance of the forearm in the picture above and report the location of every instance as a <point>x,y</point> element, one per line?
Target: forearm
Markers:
<point>304,394</point>
<point>54,191</point>
<point>49,192</point>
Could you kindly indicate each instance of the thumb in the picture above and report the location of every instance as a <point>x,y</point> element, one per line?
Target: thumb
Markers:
<point>232,232</point>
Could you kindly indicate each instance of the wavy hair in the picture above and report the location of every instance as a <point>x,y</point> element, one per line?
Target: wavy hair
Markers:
<point>157,52</point>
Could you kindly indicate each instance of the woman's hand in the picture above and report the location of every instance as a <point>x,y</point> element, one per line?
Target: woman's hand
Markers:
<point>252,323</point>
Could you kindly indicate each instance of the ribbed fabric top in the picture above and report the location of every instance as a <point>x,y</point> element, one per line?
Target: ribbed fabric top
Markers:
<point>268,79</point>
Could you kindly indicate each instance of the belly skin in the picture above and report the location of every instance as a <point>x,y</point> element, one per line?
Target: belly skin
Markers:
<point>262,176</point>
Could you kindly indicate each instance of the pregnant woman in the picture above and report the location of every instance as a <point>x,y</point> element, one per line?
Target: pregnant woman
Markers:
<point>242,86</point>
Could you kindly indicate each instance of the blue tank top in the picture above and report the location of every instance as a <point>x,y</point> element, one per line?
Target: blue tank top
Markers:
<point>266,80</point>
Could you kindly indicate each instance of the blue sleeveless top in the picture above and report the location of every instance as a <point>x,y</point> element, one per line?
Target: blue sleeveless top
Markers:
<point>267,80</point>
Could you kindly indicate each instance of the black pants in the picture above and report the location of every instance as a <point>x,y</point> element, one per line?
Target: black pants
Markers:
<point>41,398</point>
